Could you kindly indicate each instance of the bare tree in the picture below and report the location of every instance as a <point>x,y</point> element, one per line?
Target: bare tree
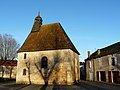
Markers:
<point>8,47</point>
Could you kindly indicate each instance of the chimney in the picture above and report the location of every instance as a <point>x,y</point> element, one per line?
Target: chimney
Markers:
<point>98,52</point>
<point>88,54</point>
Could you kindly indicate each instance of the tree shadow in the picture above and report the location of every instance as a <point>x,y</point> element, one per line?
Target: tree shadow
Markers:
<point>47,71</point>
<point>44,87</point>
<point>28,67</point>
<point>55,86</point>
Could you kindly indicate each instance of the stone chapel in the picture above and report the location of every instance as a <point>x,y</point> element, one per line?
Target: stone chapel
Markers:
<point>47,56</point>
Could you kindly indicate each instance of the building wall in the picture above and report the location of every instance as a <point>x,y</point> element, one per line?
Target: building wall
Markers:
<point>63,67</point>
<point>103,69</point>
<point>89,70</point>
<point>8,71</point>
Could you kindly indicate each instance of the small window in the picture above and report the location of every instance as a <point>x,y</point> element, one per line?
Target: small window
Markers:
<point>113,61</point>
<point>100,62</point>
<point>89,64</point>
<point>25,55</point>
<point>24,71</point>
<point>44,62</point>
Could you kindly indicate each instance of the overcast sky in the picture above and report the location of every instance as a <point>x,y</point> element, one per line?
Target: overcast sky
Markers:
<point>90,24</point>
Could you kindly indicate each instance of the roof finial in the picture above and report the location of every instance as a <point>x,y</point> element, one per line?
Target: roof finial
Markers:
<point>39,13</point>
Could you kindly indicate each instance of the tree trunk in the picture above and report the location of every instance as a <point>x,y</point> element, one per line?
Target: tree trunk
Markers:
<point>11,71</point>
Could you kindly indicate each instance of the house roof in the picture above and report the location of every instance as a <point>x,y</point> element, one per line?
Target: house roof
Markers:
<point>48,37</point>
<point>112,49</point>
<point>8,62</point>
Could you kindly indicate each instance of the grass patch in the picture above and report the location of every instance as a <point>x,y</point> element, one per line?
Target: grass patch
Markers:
<point>7,81</point>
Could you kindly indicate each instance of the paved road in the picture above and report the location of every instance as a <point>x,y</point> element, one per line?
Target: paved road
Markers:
<point>83,85</point>
<point>99,85</point>
<point>39,87</point>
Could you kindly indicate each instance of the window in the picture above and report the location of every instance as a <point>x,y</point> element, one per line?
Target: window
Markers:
<point>100,62</point>
<point>24,71</point>
<point>25,55</point>
<point>89,64</point>
<point>113,61</point>
<point>44,62</point>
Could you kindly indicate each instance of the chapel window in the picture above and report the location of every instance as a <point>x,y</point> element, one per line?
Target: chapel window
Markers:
<point>24,71</point>
<point>25,55</point>
<point>44,62</point>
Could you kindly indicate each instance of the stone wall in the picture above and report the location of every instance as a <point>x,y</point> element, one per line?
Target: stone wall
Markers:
<point>102,64</point>
<point>63,67</point>
<point>8,71</point>
<point>89,70</point>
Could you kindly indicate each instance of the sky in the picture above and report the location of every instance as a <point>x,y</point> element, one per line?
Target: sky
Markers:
<point>90,24</point>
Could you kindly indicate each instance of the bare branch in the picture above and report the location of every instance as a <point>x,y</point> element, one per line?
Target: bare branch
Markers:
<point>8,47</point>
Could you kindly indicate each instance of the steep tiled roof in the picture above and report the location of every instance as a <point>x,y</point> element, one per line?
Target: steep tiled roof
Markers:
<point>8,62</point>
<point>48,37</point>
<point>115,48</point>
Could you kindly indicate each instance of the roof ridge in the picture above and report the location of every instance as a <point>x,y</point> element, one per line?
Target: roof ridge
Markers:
<point>110,45</point>
<point>111,49</point>
<point>51,24</point>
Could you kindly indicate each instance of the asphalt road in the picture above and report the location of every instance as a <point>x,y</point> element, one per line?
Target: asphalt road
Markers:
<point>83,85</point>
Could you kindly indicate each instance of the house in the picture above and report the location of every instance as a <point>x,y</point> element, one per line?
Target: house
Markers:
<point>104,64</point>
<point>47,56</point>
<point>8,68</point>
